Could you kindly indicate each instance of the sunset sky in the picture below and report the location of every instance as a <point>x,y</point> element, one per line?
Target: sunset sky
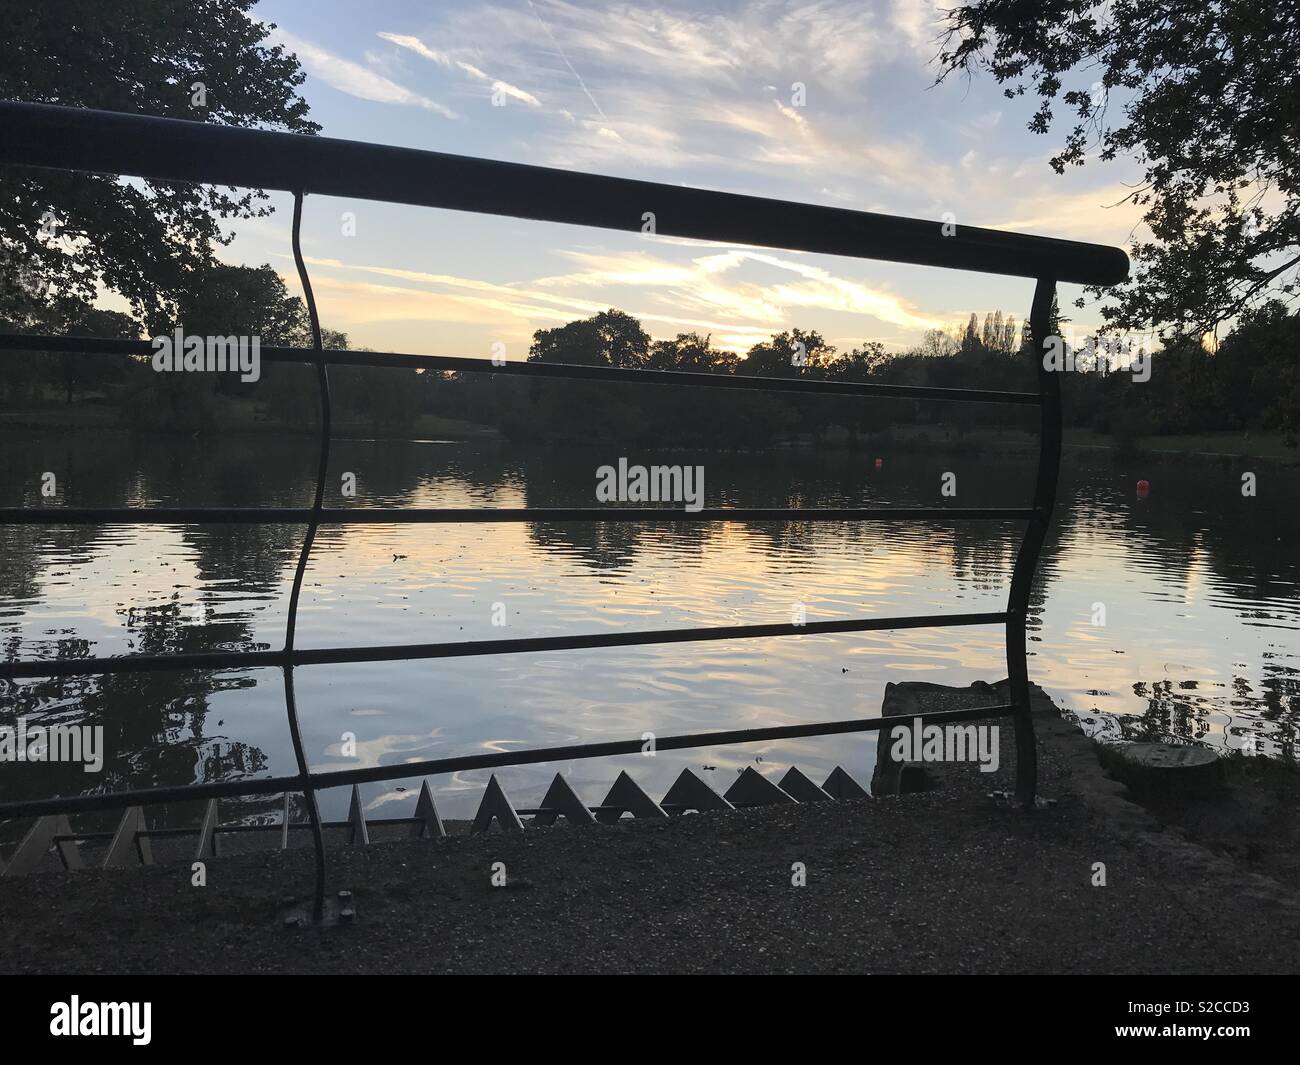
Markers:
<point>697,95</point>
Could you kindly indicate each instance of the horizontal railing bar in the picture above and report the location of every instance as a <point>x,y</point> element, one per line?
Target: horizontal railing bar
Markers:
<point>222,830</point>
<point>442,766</point>
<point>486,515</point>
<point>96,346</point>
<point>300,656</point>
<point>106,142</point>
<point>116,800</point>
<point>474,648</point>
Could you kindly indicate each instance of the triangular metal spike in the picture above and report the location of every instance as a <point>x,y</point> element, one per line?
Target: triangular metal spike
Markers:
<point>36,845</point>
<point>689,792</point>
<point>67,848</point>
<point>129,848</point>
<point>797,784</point>
<point>627,796</point>
<point>495,804</point>
<point>428,823</point>
<point>284,824</point>
<point>753,789</point>
<point>562,799</point>
<point>360,831</point>
<point>839,785</point>
<point>208,833</point>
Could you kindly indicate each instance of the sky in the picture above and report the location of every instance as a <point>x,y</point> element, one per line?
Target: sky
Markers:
<point>699,94</point>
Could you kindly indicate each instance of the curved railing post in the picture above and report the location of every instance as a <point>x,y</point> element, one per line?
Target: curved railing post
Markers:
<point>291,706</point>
<point>1022,577</point>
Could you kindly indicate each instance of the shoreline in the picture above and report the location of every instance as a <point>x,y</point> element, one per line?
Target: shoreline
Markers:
<point>1267,449</point>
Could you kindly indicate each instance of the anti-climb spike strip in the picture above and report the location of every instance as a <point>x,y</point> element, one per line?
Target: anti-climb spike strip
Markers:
<point>796,784</point>
<point>359,831</point>
<point>36,844</point>
<point>129,847</point>
<point>562,799</point>
<point>627,796</point>
<point>428,823</point>
<point>689,792</point>
<point>495,804</point>
<point>753,789</point>
<point>839,785</point>
<point>33,847</point>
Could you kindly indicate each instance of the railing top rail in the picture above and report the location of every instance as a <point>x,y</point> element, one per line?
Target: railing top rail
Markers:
<point>48,136</point>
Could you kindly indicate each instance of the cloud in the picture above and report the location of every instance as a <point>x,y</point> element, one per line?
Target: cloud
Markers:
<point>353,78</point>
<point>679,88</point>
<point>443,59</point>
<point>702,294</point>
<point>444,299</point>
<point>921,23</point>
<point>704,284</point>
<point>703,97</point>
<point>1095,214</point>
<point>793,115</point>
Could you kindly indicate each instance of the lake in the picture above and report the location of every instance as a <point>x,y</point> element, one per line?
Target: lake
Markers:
<point>1196,582</point>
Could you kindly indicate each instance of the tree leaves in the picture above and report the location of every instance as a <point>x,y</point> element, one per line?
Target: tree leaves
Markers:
<point>148,241</point>
<point>1205,97</point>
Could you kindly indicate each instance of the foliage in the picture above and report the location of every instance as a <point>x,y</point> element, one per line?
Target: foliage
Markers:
<point>149,241</point>
<point>1204,97</point>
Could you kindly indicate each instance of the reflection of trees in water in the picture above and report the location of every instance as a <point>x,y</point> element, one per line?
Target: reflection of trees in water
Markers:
<point>254,556</point>
<point>393,472</point>
<point>793,479</point>
<point>1175,710</point>
<point>28,551</point>
<point>600,545</point>
<point>1169,712</point>
<point>1240,544</point>
<point>107,469</point>
<point>157,727</point>
<point>1281,686</point>
<point>1281,699</point>
<point>155,724</point>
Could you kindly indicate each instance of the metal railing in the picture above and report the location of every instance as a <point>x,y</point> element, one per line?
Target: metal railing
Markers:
<point>172,150</point>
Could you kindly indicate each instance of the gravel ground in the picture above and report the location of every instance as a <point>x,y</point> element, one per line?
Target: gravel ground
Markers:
<point>937,882</point>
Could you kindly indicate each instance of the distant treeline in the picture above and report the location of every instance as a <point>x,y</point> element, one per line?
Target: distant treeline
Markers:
<point>1252,379</point>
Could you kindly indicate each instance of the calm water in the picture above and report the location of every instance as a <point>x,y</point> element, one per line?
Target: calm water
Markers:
<point>1198,587</point>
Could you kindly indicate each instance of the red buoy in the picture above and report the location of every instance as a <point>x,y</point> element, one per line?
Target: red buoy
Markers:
<point>1144,488</point>
<point>880,463</point>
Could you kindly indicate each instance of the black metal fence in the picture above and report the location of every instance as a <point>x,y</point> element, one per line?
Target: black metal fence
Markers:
<point>49,137</point>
